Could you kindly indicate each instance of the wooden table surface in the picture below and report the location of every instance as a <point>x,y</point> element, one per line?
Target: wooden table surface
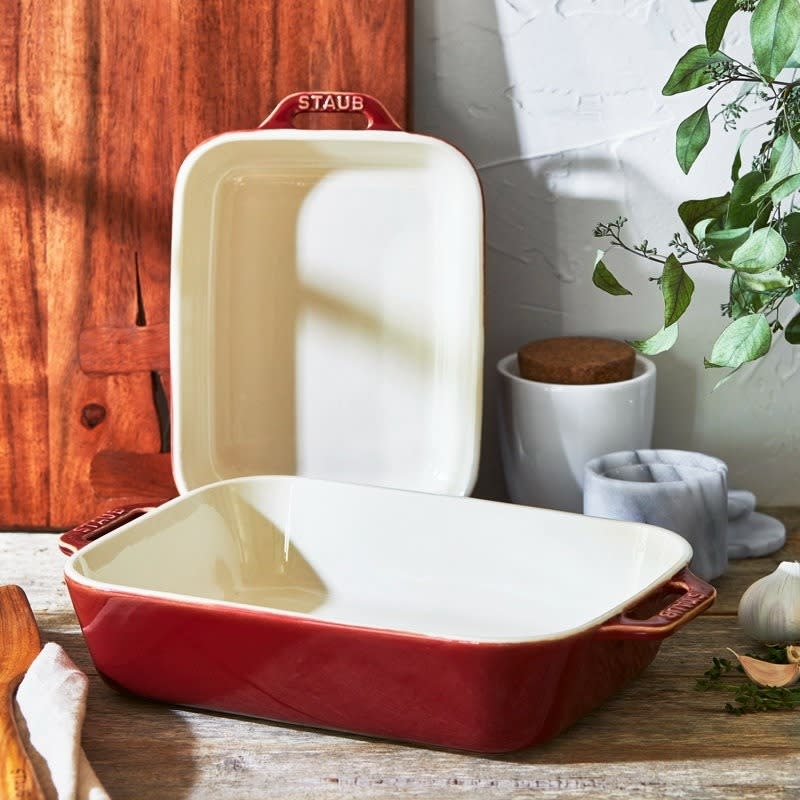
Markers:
<point>657,738</point>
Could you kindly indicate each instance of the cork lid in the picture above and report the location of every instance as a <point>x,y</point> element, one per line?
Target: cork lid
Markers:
<point>576,360</point>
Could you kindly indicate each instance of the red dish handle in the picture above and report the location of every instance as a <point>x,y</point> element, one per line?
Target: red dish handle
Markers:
<point>695,597</point>
<point>72,541</point>
<point>378,118</point>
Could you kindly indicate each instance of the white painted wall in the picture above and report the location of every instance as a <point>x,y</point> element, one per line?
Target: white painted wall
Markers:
<point>558,103</point>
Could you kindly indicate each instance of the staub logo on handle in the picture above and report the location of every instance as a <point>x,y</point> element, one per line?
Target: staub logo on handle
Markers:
<point>330,101</point>
<point>682,606</point>
<point>94,525</point>
<point>101,521</point>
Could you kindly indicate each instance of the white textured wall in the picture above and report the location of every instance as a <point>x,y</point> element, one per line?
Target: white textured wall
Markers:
<point>558,104</point>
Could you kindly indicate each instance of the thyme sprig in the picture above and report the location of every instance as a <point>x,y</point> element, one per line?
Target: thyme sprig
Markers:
<point>748,697</point>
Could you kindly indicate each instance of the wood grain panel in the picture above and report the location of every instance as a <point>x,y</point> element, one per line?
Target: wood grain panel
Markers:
<point>100,104</point>
<point>24,446</point>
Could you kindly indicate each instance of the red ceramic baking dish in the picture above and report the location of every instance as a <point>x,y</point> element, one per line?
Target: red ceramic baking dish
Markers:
<point>441,620</point>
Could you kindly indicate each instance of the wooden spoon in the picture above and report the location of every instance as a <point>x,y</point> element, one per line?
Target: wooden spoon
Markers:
<point>19,645</point>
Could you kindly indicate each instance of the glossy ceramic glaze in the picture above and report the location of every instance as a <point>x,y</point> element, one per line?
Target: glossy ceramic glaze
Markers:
<point>442,620</point>
<point>326,308</point>
<point>548,431</point>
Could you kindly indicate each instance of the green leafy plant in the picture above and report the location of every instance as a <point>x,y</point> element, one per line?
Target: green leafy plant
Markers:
<point>752,230</point>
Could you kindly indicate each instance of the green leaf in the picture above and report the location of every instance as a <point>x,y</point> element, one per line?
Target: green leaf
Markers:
<point>786,165</point>
<point>737,159</point>
<point>692,70</point>
<point>699,232</point>
<point>692,211</point>
<point>745,339</point>
<point>767,281</point>
<point>785,188</point>
<point>764,249</point>
<point>677,288</point>
<point>741,210</point>
<point>764,216</point>
<point>658,342</point>
<point>603,279</point>
<point>794,58</point>
<point>774,31</point>
<point>723,243</point>
<point>777,150</point>
<point>792,331</point>
<point>718,19</point>
<point>691,137</point>
<point>737,164</point>
<point>743,301</point>
<point>791,227</point>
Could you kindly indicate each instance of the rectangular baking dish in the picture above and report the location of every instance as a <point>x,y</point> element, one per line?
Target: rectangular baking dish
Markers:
<point>446,621</point>
<point>326,304</point>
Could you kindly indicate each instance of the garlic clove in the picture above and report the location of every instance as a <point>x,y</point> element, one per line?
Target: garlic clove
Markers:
<point>765,673</point>
<point>769,610</point>
<point>793,654</point>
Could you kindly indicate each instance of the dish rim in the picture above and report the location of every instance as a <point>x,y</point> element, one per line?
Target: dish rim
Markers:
<point>72,574</point>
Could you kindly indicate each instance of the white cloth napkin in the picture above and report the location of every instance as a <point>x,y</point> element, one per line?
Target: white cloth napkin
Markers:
<point>52,705</point>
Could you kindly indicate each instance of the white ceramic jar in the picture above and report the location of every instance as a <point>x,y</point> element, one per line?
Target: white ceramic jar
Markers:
<point>548,431</point>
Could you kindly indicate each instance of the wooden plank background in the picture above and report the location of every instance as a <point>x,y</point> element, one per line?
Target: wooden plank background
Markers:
<point>100,102</point>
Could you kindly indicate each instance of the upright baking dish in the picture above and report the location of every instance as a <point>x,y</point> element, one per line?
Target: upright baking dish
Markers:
<point>448,621</point>
<point>326,304</point>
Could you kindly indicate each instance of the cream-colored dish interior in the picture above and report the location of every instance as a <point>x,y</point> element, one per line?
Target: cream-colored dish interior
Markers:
<point>327,310</point>
<point>451,567</point>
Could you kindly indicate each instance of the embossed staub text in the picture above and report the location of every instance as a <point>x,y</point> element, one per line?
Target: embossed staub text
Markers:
<point>329,101</point>
<point>687,603</point>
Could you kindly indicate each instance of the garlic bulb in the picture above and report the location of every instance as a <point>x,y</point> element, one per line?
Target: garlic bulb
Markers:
<point>769,610</point>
